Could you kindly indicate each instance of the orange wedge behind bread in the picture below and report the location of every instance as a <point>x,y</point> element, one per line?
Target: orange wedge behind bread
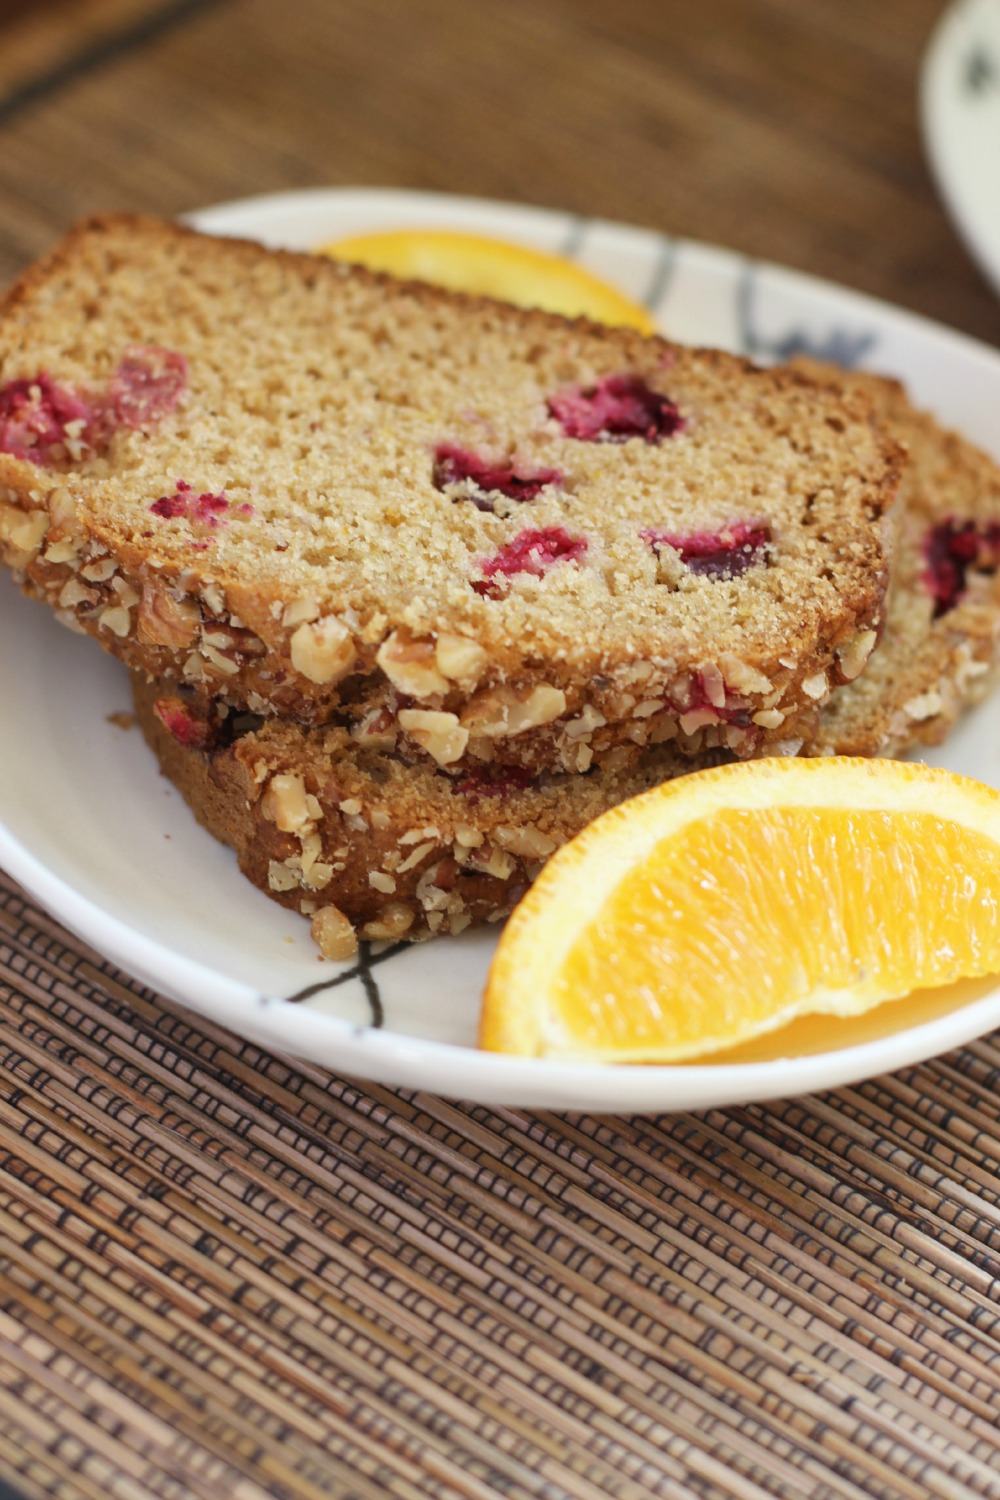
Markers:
<point>493,268</point>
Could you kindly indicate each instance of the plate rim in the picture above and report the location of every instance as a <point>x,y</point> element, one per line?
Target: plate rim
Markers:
<point>400,1060</point>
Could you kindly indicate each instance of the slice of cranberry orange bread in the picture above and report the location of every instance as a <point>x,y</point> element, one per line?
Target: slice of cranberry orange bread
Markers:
<point>275,475</point>
<point>358,840</point>
<point>941,646</point>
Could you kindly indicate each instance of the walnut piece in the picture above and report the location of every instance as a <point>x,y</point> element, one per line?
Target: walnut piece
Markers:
<point>500,712</point>
<point>115,618</point>
<point>215,658</point>
<point>285,802</point>
<point>164,620</point>
<point>22,534</point>
<point>440,734</point>
<point>415,856</point>
<point>392,921</point>
<point>529,843</point>
<point>299,610</point>
<point>713,684</point>
<point>67,550</point>
<point>376,730</point>
<point>333,934</point>
<point>924,705</point>
<point>740,676</point>
<point>582,727</point>
<point>460,659</point>
<point>73,592</point>
<point>410,666</point>
<point>324,650</point>
<point>280,877</point>
<point>492,861</point>
<point>852,656</point>
<point>62,514</point>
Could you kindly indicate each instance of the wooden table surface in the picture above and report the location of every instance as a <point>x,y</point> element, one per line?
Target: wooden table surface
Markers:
<point>228,1274</point>
<point>784,128</point>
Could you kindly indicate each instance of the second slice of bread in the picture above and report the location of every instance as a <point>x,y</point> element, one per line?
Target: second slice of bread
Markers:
<point>940,649</point>
<point>388,850</point>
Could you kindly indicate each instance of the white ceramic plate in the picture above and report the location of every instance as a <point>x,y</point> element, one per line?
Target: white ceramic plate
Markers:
<point>960,107</point>
<point>89,827</point>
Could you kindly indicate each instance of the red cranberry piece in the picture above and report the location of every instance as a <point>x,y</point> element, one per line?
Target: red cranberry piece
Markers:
<point>533,552</point>
<point>178,720</point>
<point>169,507</point>
<point>146,386</point>
<point>951,548</point>
<point>206,509</point>
<point>453,465</point>
<point>716,554</point>
<point>35,418</point>
<point>493,781</point>
<point>615,409</point>
<point>201,510</point>
<point>37,414</point>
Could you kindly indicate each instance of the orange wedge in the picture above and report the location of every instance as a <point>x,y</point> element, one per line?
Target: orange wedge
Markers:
<point>493,268</point>
<point>727,903</point>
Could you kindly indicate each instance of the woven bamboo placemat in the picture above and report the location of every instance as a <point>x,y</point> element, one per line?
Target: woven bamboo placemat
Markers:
<point>228,1273</point>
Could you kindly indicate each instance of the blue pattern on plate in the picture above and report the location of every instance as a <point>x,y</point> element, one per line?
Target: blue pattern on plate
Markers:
<point>838,345</point>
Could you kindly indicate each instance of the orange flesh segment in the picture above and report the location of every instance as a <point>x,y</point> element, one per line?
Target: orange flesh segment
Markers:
<point>810,940</point>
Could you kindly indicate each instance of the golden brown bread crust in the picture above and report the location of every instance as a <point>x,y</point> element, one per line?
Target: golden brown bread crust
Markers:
<point>315,395</point>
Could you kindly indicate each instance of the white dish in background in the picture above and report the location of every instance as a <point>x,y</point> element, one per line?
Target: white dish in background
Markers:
<point>960,108</point>
<point>93,832</point>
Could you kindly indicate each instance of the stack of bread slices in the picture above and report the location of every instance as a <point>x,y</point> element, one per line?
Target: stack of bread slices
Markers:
<point>415,585</point>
